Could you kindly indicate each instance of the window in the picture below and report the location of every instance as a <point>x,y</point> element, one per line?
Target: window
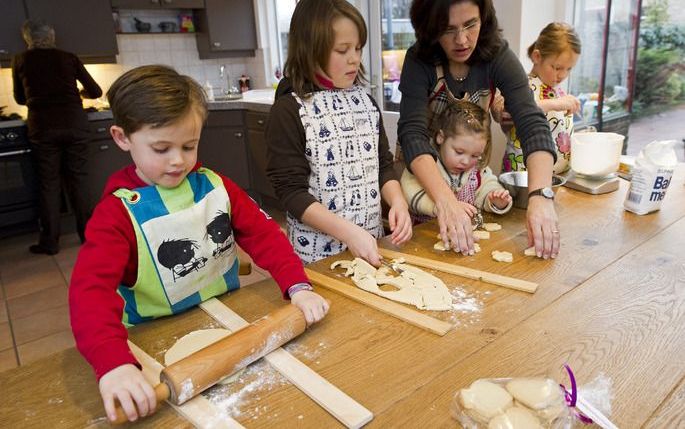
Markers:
<point>284,11</point>
<point>397,35</point>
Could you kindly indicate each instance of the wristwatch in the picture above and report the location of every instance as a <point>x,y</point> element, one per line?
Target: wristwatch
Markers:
<point>545,192</point>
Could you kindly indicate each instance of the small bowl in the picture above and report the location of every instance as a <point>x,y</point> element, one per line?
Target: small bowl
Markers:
<point>516,182</point>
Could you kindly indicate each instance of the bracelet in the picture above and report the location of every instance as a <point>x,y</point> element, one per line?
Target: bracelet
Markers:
<point>292,290</point>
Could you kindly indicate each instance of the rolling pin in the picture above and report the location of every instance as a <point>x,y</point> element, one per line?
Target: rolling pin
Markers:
<point>193,374</point>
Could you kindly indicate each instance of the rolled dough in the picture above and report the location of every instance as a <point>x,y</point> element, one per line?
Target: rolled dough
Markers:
<point>414,286</point>
<point>515,418</point>
<point>484,400</point>
<point>194,341</point>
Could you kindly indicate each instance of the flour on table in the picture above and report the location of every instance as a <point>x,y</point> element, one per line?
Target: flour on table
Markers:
<point>414,286</point>
<point>194,341</point>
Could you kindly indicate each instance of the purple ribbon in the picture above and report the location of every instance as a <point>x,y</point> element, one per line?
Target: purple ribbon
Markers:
<point>572,396</point>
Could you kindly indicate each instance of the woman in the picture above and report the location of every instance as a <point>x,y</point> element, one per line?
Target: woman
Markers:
<point>45,80</point>
<point>460,53</point>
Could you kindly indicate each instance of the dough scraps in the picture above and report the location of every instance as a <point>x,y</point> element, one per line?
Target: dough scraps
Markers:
<point>484,400</point>
<point>441,247</point>
<point>490,227</point>
<point>530,251</point>
<point>502,256</point>
<point>481,235</point>
<point>414,286</point>
<point>194,341</point>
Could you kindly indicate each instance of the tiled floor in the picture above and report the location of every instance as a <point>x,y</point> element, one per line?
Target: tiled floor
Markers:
<point>34,312</point>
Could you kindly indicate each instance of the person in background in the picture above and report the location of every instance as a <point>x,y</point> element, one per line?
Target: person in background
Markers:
<point>328,156</point>
<point>45,79</point>
<point>460,54</point>
<point>554,54</point>
<point>463,140</point>
<point>164,236</point>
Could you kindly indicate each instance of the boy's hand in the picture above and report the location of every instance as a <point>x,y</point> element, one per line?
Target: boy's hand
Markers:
<point>400,223</point>
<point>499,198</point>
<point>127,384</point>
<point>311,304</point>
<point>362,244</point>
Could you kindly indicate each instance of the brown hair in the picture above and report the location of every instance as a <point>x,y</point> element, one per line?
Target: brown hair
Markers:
<point>430,19</point>
<point>463,117</point>
<point>154,95</point>
<point>311,39</point>
<point>555,39</point>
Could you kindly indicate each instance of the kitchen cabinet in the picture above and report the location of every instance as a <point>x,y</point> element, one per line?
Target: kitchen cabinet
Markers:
<point>84,27</point>
<point>158,4</point>
<point>104,158</point>
<point>256,123</point>
<point>226,29</point>
<point>11,18</point>
<point>223,146</point>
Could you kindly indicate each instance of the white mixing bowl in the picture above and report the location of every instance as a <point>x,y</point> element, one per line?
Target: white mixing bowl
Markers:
<point>596,154</point>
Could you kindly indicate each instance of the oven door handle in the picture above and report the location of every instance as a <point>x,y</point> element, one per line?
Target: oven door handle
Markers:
<point>14,152</point>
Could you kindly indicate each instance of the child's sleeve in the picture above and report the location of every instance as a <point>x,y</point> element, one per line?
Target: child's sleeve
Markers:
<point>95,307</point>
<point>262,238</point>
<point>287,166</point>
<point>489,183</point>
<point>417,198</point>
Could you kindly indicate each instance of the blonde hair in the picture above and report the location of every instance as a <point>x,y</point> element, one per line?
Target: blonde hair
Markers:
<point>463,117</point>
<point>555,39</point>
<point>311,39</point>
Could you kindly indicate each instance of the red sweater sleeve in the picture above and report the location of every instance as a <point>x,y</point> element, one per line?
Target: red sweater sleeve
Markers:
<point>262,239</point>
<point>107,259</point>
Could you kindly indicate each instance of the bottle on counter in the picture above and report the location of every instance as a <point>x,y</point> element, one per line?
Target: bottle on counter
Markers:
<point>244,83</point>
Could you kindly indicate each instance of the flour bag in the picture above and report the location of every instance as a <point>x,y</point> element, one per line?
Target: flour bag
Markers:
<point>651,176</point>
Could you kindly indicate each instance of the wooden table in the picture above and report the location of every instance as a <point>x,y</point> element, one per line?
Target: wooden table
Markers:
<point>613,302</point>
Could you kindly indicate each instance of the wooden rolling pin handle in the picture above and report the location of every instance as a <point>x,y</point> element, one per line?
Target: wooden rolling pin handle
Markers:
<point>161,393</point>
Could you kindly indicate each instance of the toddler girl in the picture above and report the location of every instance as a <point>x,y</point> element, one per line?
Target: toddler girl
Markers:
<point>554,54</point>
<point>328,156</point>
<point>463,140</point>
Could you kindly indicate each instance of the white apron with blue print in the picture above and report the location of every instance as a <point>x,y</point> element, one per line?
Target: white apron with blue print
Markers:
<point>342,132</point>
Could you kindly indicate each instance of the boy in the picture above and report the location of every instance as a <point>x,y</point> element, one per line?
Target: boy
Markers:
<point>163,237</point>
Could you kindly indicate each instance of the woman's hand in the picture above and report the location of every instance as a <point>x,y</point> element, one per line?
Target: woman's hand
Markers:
<point>543,227</point>
<point>126,384</point>
<point>311,304</point>
<point>454,219</point>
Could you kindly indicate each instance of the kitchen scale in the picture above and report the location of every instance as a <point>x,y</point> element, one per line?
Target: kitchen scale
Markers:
<point>592,184</point>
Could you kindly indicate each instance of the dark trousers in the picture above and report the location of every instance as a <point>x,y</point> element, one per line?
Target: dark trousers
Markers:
<point>61,156</point>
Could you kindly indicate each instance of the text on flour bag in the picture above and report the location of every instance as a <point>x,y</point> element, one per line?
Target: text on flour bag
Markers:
<point>651,176</point>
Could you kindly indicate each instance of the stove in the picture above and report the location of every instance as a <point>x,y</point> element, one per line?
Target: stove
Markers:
<point>18,181</point>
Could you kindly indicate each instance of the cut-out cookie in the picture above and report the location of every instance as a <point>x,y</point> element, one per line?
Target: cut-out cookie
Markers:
<point>441,247</point>
<point>492,226</point>
<point>481,235</point>
<point>413,286</point>
<point>530,251</point>
<point>502,256</point>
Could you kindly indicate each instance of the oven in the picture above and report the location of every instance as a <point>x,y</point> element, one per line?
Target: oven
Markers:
<point>18,181</point>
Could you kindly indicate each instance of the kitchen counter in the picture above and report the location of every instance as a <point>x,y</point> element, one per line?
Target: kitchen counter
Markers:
<point>611,304</point>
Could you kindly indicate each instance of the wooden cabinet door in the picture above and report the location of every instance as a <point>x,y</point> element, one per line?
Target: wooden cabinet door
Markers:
<point>11,18</point>
<point>223,146</point>
<point>156,4</point>
<point>256,123</point>
<point>226,28</point>
<point>104,159</point>
<point>84,27</point>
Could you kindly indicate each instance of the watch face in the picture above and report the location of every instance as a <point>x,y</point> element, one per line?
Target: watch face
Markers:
<point>547,193</point>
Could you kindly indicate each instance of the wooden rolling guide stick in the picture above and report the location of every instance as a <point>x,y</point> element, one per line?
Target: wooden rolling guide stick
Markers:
<point>204,368</point>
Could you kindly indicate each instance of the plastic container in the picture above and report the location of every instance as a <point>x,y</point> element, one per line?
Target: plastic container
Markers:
<point>652,175</point>
<point>596,154</point>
